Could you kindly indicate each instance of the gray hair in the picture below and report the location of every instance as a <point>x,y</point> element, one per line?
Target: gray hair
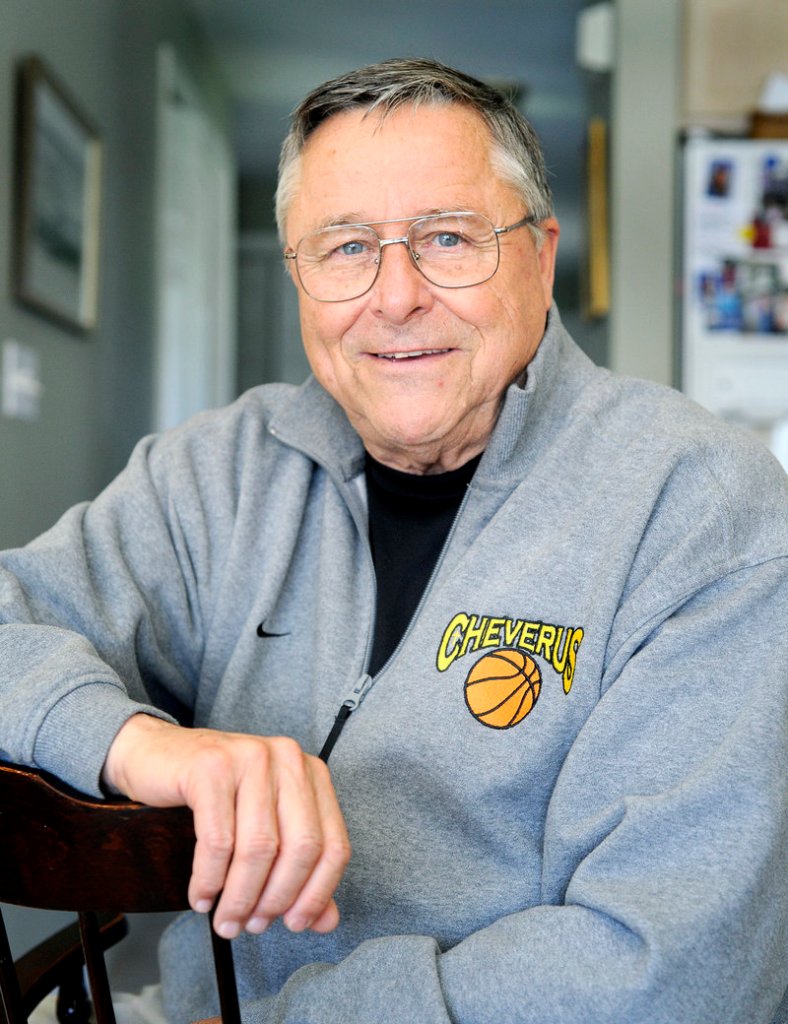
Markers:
<point>516,152</point>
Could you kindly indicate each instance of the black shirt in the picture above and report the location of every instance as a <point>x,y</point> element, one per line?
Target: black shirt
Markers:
<point>410,516</point>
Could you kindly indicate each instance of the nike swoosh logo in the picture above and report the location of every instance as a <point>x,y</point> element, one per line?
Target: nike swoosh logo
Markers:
<point>263,632</point>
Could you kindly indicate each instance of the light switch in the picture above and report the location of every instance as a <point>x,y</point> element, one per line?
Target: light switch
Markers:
<point>21,381</point>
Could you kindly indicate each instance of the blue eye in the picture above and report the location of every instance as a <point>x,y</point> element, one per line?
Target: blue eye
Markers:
<point>354,248</point>
<point>447,239</point>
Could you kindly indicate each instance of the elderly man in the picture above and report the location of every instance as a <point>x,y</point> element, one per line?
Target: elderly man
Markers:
<point>531,614</point>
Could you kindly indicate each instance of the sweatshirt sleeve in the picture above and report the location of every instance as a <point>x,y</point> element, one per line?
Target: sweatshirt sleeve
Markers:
<point>101,617</point>
<point>664,893</point>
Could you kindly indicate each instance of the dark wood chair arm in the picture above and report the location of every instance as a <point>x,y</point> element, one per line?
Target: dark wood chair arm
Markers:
<point>63,850</point>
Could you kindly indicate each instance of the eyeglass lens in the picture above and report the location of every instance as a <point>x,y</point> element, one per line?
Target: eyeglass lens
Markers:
<point>452,251</point>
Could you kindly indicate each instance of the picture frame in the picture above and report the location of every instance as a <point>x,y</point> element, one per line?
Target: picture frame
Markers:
<point>597,298</point>
<point>58,156</point>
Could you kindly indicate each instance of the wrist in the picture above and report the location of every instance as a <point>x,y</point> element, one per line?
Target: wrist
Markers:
<point>128,739</point>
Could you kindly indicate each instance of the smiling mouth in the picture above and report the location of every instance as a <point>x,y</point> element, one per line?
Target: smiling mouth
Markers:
<point>395,356</point>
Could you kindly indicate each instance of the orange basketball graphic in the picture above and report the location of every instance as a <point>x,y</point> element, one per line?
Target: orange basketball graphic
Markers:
<point>502,688</point>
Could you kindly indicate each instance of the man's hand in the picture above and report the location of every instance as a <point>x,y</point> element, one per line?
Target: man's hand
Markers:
<point>270,834</point>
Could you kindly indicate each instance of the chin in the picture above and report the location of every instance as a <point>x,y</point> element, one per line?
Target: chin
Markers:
<point>410,433</point>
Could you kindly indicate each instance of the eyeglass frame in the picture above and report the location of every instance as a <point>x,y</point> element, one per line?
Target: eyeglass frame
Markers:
<point>292,254</point>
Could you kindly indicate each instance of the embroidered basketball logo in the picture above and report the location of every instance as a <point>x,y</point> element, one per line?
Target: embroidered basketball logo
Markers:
<point>503,685</point>
<point>502,688</point>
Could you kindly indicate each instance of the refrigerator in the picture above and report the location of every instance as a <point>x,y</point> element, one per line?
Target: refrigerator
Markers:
<point>734,282</point>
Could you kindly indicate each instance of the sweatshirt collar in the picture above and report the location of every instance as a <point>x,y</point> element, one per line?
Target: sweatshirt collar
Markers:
<point>530,414</point>
<point>316,424</point>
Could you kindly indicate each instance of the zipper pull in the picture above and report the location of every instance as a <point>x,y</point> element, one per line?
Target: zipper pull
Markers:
<point>358,693</point>
<point>349,705</point>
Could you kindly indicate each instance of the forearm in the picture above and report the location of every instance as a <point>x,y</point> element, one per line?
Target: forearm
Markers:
<point>569,964</point>
<point>61,705</point>
<point>96,624</point>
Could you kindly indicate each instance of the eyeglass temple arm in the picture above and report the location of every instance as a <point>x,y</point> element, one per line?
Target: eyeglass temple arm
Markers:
<point>530,219</point>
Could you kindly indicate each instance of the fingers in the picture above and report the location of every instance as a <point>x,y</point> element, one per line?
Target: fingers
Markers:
<point>270,833</point>
<point>256,846</point>
<point>291,835</point>
<point>313,903</point>
<point>236,830</point>
<point>300,835</point>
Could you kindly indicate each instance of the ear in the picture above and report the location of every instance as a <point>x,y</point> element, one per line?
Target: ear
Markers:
<point>547,252</point>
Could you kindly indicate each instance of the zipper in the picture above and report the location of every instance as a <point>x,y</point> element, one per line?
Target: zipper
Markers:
<point>366,681</point>
<point>364,684</point>
<point>349,705</point>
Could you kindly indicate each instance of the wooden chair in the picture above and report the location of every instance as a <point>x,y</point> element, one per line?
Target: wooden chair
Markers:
<point>62,850</point>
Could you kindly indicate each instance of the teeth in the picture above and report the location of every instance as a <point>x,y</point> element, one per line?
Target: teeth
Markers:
<point>409,355</point>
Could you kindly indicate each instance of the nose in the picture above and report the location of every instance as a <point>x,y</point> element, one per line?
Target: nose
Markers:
<point>400,290</point>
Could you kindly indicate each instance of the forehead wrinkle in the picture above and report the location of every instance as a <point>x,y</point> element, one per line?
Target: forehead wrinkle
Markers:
<point>358,219</point>
<point>339,220</point>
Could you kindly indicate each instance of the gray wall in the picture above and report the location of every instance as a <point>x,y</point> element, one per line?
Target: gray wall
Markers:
<point>97,397</point>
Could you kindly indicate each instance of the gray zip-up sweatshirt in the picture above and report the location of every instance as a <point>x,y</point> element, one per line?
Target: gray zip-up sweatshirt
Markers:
<point>565,790</point>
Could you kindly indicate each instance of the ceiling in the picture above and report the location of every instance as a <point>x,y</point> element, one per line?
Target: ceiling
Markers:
<point>273,53</point>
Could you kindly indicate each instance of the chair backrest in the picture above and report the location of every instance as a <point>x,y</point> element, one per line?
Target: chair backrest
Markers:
<point>62,850</point>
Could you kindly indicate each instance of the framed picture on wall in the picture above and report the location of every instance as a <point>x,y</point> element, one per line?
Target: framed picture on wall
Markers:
<point>597,297</point>
<point>57,202</point>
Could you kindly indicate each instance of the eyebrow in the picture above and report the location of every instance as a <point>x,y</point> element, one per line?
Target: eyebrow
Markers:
<point>345,219</point>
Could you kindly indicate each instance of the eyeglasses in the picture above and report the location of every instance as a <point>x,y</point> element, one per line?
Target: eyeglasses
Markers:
<point>452,250</point>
